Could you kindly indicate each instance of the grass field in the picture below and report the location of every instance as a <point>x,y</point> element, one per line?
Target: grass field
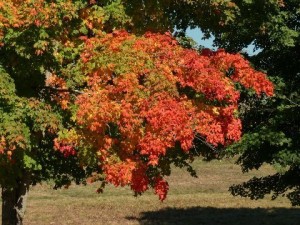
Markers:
<point>203,200</point>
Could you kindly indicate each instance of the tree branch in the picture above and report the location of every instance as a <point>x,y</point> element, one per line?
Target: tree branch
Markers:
<point>64,90</point>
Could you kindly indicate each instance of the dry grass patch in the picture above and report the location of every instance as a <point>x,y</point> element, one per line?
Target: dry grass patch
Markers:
<point>203,200</point>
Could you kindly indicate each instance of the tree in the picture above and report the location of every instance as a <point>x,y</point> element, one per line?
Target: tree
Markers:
<point>83,100</point>
<point>271,125</point>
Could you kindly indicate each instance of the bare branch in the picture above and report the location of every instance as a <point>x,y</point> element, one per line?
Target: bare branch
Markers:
<point>198,137</point>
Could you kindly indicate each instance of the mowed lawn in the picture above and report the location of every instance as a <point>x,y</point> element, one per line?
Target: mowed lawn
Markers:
<point>202,200</point>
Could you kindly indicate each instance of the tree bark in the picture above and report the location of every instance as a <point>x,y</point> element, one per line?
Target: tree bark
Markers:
<point>14,202</point>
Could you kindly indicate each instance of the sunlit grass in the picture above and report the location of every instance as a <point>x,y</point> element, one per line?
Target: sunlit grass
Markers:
<point>202,200</point>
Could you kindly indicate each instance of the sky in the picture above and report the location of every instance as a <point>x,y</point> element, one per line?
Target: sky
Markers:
<point>197,35</point>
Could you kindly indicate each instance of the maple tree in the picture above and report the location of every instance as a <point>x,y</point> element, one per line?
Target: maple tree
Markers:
<point>84,100</point>
<point>135,105</point>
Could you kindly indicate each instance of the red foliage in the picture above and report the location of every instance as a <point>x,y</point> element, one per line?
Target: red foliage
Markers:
<point>146,94</point>
<point>65,148</point>
<point>161,188</point>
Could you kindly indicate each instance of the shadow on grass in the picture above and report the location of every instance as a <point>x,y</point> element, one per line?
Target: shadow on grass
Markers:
<point>220,216</point>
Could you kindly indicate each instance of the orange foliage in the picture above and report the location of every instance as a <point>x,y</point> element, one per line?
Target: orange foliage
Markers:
<point>146,94</point>
<point>63,96</point>
<point>2,145</point>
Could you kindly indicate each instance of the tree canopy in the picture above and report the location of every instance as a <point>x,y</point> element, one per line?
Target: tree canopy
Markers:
<point>87,94</point>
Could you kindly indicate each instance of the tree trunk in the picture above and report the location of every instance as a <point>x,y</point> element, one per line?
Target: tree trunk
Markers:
<point>14,202</point>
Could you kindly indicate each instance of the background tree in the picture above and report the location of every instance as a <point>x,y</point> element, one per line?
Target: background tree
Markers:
<point>81,98</point>
<point>272,126</point>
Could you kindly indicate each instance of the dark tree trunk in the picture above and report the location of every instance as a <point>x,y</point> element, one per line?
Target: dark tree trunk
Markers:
<point>14,202</point>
